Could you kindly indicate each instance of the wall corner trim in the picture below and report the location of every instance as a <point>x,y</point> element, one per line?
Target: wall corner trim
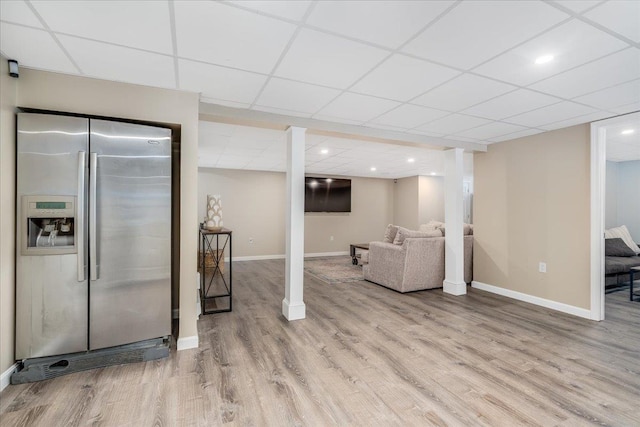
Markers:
<point>5,378</point>
<point>187,343</point>
<point>553,305</point>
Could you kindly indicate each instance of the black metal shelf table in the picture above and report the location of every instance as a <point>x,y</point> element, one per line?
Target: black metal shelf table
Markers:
<point>216,279</point>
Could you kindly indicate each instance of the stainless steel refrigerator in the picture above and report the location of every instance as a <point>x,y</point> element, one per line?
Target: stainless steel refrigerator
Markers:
<point>93,260</point>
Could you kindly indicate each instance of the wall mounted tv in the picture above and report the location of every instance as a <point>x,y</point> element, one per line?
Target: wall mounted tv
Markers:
<point>327,195</point>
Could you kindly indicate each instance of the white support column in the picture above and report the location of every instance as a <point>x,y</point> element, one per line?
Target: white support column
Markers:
<point>453,216</point>
<point>293,307</point>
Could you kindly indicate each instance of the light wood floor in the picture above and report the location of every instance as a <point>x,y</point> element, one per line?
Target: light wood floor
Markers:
<point>366,356</point>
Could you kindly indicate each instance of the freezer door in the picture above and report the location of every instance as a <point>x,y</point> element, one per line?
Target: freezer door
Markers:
<point>130,228</point>
<point>51,289</point>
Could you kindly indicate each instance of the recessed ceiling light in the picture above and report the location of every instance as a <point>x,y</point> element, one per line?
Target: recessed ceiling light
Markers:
<point>313,183</point>
<point>433,174</point>
<point>544,59</point>
<point>373,168</point>
<point>627,131</point>
<point>329,180</point>
<point>324,151</point>
<point>411,160</point>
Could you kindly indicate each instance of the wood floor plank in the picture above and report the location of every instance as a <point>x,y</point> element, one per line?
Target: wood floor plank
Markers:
<point>365,355</point>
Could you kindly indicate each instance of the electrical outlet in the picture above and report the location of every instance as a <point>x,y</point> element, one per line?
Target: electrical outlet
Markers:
<point>542,267</point>
<point>331,238</point>
<point>251,240</point>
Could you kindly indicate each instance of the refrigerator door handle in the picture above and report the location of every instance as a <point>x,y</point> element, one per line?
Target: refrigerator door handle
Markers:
<point>80,215</point>
<point>93,254</point>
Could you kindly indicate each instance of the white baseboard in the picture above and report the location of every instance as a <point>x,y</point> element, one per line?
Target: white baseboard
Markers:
<point>322,254</point>
<point>293,311</point>
<point>5,378</point>
<point>282,256</point>
<point>186,343</point>
<point>255,258</point>
<point>553,305</point>
<point>454,288</point>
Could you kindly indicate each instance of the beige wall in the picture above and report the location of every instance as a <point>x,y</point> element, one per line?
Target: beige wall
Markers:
<point>253,206</point>
<point>431,199</point>
<point>58,92</point>
<point>406,203</point>
<point>372,202</point>
<point>532,205</point>
<point>8,87</point>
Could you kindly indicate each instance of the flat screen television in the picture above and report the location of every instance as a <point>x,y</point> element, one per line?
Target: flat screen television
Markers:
<point>327,195</point>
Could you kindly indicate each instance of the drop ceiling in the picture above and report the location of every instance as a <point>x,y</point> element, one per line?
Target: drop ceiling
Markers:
<point>231,146</point>
<point>623,140</point>
<point>462,71</point>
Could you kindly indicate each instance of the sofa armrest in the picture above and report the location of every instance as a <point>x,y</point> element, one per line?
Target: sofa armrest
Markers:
<point>424,264</point>
<point>386,264</point>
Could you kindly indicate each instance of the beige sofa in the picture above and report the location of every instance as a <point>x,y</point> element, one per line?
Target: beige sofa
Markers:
<point>416,264</point>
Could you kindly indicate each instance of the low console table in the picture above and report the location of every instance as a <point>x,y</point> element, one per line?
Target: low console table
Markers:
<point>216,281</point>
<point>352,251</point>
<point>633,271</point>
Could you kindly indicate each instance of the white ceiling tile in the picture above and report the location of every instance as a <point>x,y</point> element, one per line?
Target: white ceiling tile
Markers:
<point>386,23</point>
<point>351,106</point>
<point>216,33</point>
<point>402,78</point>
<point>621,152</point>
<point>626,93</point>
<point>220,82</point>
<point>609,71</point>
<point>215,129</point>
<point>571,44</point>
<point>475,31</point>
<point>622,16</point>
<point>294,96</point>
<point>18,12</point>
<point>409,116</point>
<point>287,9</point>
<point>561,111</point>
<point>578,6</point>
<point>512,103</point>
<point>627,108</point>
<point>490,130</point>
<point>516,135</point>
<point>33,48</point>
<point>327,60</point>
<point>110,62</point>
<point>452,124</point>
<point>588,118</point>
<point>140,24</point>
<point>232,161</point>
<point>462,92</point>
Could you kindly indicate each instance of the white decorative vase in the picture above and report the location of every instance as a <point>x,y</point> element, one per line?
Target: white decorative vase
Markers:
<point>214,212</point>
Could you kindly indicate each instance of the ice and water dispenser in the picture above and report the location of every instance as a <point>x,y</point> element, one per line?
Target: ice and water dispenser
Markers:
<point>51,225</point>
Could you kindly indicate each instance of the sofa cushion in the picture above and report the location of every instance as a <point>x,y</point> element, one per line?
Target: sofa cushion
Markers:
<point>618,265</point>
<point>623,233</point>
<point>617,247</point>
<point>404,233</point>
<point>390,233</point>
<point>467,229</point>
<point>431,226</point>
